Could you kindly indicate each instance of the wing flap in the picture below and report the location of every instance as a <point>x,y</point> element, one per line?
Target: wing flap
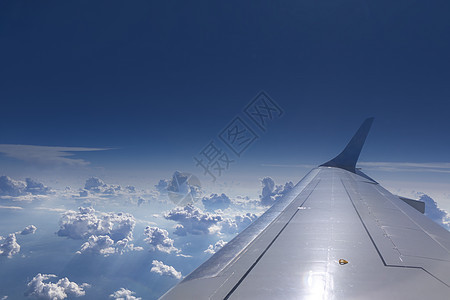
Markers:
<point>403,236</point>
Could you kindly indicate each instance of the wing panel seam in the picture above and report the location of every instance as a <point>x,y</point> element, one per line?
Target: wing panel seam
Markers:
<point>268,246</point>
<point>376,248</point>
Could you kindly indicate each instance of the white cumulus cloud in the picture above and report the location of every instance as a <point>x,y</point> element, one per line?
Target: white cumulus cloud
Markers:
<point>16,188</point>
<point>216,247</point>
<point>99,245</point>
<point>215,201</point>
<point>9,245</point>
<point>160,268</point>
<point>38,288</point>
<point>124,294</point>
<point>158,239</point>
<point>192,220</point>
<point>107,233</point>
<point>94,187</point>
<point>183,188</point>
<point>162,186</point>
<point>36,188</point>
<point>86,222</point>
<point>271,192</point>
<point>30,229</point>
<point>239,223</point>
<point>435,213</point>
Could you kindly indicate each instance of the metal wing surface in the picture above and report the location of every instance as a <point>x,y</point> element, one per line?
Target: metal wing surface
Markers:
<point>337,235</point>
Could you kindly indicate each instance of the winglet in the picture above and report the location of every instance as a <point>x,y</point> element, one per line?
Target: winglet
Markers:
<point>349,156</point>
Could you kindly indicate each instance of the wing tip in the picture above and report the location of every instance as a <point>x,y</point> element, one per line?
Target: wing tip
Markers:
<point>348,158</point>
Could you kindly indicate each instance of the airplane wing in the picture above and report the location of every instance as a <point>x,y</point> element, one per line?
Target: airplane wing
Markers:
<point>337,235</point>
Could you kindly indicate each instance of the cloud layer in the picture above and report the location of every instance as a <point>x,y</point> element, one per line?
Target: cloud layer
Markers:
<point>433,167</point>
<point>46,155</point>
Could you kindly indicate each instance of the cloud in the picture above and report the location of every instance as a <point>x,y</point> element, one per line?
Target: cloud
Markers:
<point>36,188</point>
<point>87,222</point>
<point>215,201</point>
<point>239,223</point>
<point>245,203</point>
<point>96,186</point>
<point>84,193</point>
<point>107,233</point>
<point>183,188</point>
<point>433,167</point>
<point>124,294</point>
<point>47,155</point>
<point>10,187</point>
<point>55,209</point>
<point>216,247</point>
<point>105,246</point>
<point>192,220</point>
<point>160,268</point>
<point>9,245</point>
<point>11,207</point>
<point>158,239</point>
<point>162,186</point>
<point>30,229</point>
<point>99,245</point>
<point>271,192</point>
<point>38,288</point>
<point>432,211</point>
<point>15,188</point>
<point>130,189</point>
<point>306,166</point>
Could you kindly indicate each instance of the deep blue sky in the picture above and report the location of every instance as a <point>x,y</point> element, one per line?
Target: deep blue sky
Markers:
<point>156,81</point>
<point>159,79</point>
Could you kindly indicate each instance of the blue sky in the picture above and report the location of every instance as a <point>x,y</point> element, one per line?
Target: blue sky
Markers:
<point>157,81</point>
<point>135,76</point>
<point>133,91</point>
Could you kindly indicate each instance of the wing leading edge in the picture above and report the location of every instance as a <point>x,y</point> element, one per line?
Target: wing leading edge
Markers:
<point>336,212</point>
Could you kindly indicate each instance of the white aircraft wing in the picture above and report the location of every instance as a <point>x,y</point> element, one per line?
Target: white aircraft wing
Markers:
<point>337,235</point>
